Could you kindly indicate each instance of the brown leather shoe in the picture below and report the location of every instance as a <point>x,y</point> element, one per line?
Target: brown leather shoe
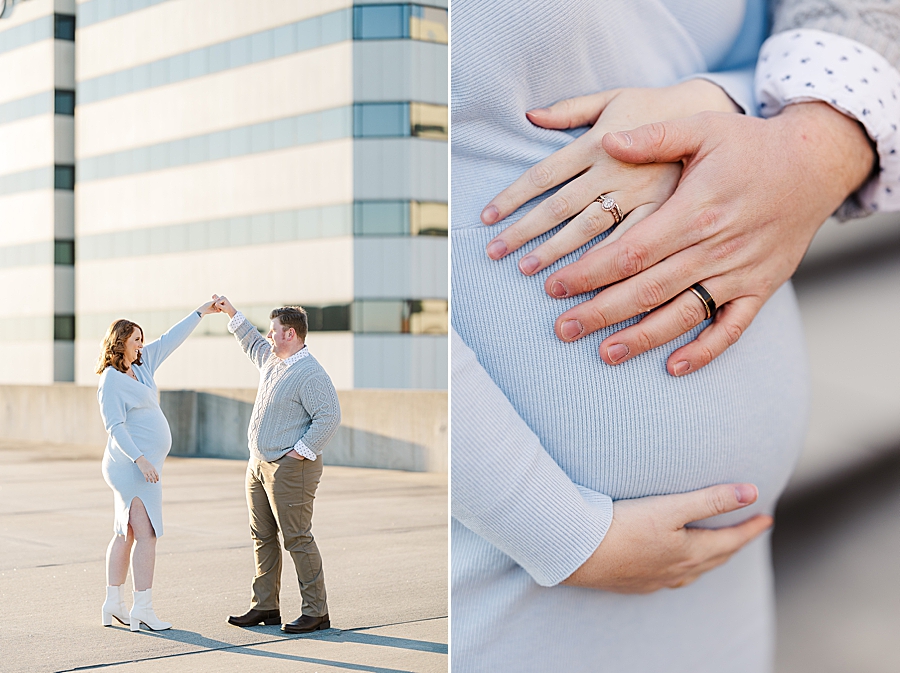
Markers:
<point>255,617</point>
<point>307,624</point>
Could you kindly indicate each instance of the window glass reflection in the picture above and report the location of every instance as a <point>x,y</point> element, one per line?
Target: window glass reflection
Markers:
<point>410,316</point>
<point>428,24</point>
<point>381,218</point>
<point>380,22</point>
<point>394,22</point>
<point>64,27</point>
<point>380,120</point>
<point>64,252</point>
<point>64,177</point>
<point>427,218</point>
<point>64,102</point>
<point>427,316</point>
<point>429,121</point>
<point>64,328</point>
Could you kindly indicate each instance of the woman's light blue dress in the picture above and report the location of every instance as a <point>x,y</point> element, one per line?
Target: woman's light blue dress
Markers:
<point>137,426</point>
<point>544,434</point>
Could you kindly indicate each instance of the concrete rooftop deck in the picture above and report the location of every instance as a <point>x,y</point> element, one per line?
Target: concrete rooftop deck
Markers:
<point>382,533</point>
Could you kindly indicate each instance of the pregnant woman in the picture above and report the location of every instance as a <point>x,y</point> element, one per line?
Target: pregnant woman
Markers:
<point>139,441</point>
<point>569,473</point>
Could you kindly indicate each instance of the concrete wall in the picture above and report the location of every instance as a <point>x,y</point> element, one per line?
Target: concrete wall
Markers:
<point>393,429</point>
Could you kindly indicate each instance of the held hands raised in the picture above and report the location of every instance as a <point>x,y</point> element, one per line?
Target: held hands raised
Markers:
<point>224,305</point>
<point>219,304</point>
<point>208,307</point>
<point>648,546</point>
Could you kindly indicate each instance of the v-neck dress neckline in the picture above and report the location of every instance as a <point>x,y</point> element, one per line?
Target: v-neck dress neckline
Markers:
<point>133,378</point>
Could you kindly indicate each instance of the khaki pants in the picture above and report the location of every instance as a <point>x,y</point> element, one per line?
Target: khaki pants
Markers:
<point>280,497</point>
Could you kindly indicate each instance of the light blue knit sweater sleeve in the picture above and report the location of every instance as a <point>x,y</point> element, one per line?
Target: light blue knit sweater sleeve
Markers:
<point>155,352</point>
<point>506,487</point>
<point>738,84</point>
<point>113,412</point>
<point>320,400</point>
<point>734,74</point>
<point>253,344</point>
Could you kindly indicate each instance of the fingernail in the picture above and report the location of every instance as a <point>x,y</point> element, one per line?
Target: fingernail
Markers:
<point>529,264</point>
<point>624,139</point>
<point>617,351</point>
<point>681,368</point>
<point>558,289</point>
<point>745,493</point>
<point>496,249</point>
<point>490,214</point>
<point>571,329</point>
<point>538,110</point>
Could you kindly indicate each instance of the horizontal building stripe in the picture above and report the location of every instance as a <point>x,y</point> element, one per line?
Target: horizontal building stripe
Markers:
<point>26,181</point>
<point>371,218</point>
<point>362,218</point>
<point>30,106</point>
<point>303,35</point>
<point>26,33</point>
<point>27,328</point>
<point>95,11</point>
<point>263,228</point>
<point>27,254</point>
<point>387,316</point>
<point>305,129</point>
<point>377,120</point>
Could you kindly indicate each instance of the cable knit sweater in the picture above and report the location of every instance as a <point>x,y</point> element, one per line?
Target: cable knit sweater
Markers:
<point>296,403</point>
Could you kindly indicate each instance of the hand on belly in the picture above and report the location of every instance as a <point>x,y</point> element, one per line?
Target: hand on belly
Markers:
<point>648,546</point>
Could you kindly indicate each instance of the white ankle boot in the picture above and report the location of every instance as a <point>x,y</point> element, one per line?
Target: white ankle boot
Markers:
<point>115,606</point>
<point>143,612</point>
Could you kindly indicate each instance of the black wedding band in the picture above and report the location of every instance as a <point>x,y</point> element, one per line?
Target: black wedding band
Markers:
<point>703,295</point>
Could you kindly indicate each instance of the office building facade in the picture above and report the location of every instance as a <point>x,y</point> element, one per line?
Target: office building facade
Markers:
<point>279,152</point>
<point>37,168</point>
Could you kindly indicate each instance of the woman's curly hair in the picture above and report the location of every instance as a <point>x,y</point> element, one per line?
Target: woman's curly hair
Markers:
<point>113,353</point>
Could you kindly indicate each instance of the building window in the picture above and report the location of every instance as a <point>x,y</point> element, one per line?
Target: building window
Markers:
<point>64,177</point>
<point>427,316</point>
<point>428,24</point>
<point>427,218</point>
<point>64,252</point>
<point>429,121</point>
<point>381,218</point>
<point>64,102</point>
<point>380,120</point>
<point>381,22</point>
<point>329,318</point>
<point>409,316</point>
<point>395,22</point>
<point>391,120</point>
<point>399,218</point>
<point>64,328</point>
<point>64,27</point>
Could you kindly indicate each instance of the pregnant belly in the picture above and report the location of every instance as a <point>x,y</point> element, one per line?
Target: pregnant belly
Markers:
<point>149,429</point>
<point>633,430</point>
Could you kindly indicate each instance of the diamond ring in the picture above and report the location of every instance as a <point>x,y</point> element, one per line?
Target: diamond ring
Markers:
<point>609,204</point>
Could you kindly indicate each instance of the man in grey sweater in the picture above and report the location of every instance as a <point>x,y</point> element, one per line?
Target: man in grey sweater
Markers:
<point>295,414</point>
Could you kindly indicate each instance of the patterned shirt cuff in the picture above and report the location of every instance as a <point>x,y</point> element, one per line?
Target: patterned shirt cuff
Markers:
<point>799,66</point>
<point>304,450</point>
<point>236,322</point>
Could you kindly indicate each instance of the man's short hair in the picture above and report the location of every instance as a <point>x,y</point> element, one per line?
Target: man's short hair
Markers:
<point>292,316</point>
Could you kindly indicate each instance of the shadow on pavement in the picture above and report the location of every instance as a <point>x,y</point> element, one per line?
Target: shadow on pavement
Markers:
<point>193,638</point>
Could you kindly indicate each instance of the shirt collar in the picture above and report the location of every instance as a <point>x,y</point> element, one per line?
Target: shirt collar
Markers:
<point>299,355</point>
